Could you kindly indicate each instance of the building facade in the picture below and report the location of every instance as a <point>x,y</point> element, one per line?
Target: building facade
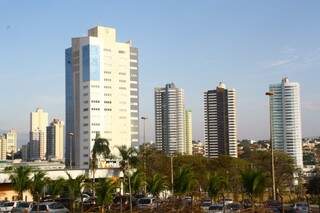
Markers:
<point>11,137</point>
<point>3,147</point>
<point>188,131</point>
<point>102,94</point>
<point>220,122</point>
<point>37,145</point>
<point>169,119</point>
<point>55,140</point>
<point>285,113</point>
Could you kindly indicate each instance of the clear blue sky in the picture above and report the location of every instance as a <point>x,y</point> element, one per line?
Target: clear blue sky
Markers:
<point>247,44</point>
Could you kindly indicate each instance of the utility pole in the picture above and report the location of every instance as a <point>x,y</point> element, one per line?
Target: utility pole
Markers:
<point>144,150</point>
<point>272,152</point>
<point>70,147</point>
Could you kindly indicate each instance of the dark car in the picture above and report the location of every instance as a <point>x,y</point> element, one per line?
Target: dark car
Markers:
<point>273,205</point>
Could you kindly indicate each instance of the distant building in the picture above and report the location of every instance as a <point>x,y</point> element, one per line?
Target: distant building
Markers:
<point>188,131</point>
<point>3,147</point>
<point>198,148</point>
<point>102,94</point>
<point>55,140</point>
<point>286,119</point>
<point>169,119</point>
<point>11,137</point>
<point>38,135</point>
<point>220,122</point>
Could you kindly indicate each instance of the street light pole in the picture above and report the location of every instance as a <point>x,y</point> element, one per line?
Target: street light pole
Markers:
<point>144,150</point>
<point>272,152</point>
<point>171,168</point>
<point>70,147</point>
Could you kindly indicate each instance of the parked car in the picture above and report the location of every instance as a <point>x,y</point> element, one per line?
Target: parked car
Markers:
<point>205,205</point>
<point>273,205</point>
<point>233,208</point>
<point>22,207</point>
<point>47,207</point>
<point>146,203</point>
<point>300,207</point>
<point>8,206</point>
<point>216,208</point>
<point>226,201</point>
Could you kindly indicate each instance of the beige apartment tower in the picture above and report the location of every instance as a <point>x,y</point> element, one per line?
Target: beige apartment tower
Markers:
<point>102,94</point>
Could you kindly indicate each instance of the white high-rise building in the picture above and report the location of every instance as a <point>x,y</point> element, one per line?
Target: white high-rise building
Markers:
<point>188,131</point>
<point>11,137</point>
<point>220,122</point>
<point>102,94</point>
<point>3,147</point>
<point>55,140</point>
<point>169,119</point>
<point>286,119</point>
<point>38,135</point>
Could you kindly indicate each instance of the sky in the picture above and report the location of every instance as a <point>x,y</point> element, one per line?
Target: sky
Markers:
<point>195,44</point>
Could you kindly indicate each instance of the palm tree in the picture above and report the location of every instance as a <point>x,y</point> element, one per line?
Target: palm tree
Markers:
<point>215,186</point>
<point>184,182</point>
<point>37,184</point>
<point>137,182</point>
<point>100,149</point>
<point>19,177</point>
<point>156,184</point>
<point>254,184</point>
<point>105,190</point>
<point>56,187</point>
<point>128,160</point>
<point>75,187</point>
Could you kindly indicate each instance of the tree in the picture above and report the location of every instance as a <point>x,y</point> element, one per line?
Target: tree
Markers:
<point>254,183</point>
<point>184,182</point>
<point>313,188</point>
<point>137,182</point>
<point>56,187</point>
<point>128,159</point>
<point>37,184</point>
<point>105,190</point>
<point>20,179</point>
<point>156,184</point>
<point>75,187</point>
<point>100,149</point>
<point>216,186</point>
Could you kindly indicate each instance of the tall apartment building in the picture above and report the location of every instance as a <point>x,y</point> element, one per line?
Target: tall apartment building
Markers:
<point>55,140</point>
<point>170,120</point>
<point>11,137</point>
<point>188,131</point>
<point>220,122</point>
<point>3,147</point>
<point>37,145</point>
<point>102,94</point>
<point>285,113</point>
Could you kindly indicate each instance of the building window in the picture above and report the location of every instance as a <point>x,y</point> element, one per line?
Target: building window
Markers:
<point>122,81</point>
<point>85,109</point>
<point>121,51</point>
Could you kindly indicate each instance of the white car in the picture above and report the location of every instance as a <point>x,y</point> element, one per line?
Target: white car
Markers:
<point>47,207</point>
<point>8,206</point>
<point>205,205</point>
<point>146,203</point>
<point>22,207</point>
<point>216,208</point>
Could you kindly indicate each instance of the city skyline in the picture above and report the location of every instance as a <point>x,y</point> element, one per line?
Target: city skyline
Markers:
<point>249,61</point>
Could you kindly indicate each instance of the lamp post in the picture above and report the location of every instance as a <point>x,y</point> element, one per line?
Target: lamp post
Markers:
<point>71,135</point>
<point>144,150</point>
<point>269,94</point>
<point>121,175</point>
